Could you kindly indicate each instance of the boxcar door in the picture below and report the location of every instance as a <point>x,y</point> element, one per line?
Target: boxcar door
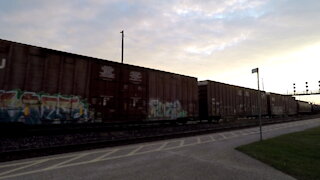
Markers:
<point>133,94</point>
<point>104,92</point>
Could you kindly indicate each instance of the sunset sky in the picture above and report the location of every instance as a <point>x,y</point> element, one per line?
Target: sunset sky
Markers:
<point>221,40</point>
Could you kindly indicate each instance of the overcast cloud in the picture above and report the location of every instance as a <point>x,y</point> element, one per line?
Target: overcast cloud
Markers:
<point>220,40</point>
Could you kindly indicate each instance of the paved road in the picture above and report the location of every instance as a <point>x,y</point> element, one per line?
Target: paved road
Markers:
<point>210,156</point>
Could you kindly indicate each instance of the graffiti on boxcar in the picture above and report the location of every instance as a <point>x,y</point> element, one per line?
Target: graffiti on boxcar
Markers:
<point>170,110</point>
<point>30,107</point>
<point>10,106</point>
<point>37,108</point>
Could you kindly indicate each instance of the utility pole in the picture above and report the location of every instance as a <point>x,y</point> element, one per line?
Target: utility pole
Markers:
<point>256,70</point>
<point>122,46</point>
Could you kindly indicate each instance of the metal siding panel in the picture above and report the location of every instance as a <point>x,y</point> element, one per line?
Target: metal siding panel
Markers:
<point>18,64</point>
<point>232,110</point>
<point>233,101</point>
<point>240,101</point>
<point>34,75</point>
<point>210,101</point>
<point>246,100</point>
<point>4,54</point>
<point>52,73</point>
<point>228,97</point>
<point>265,104</point>
<point>80,77</point>
<point>253,99</point>
<point>221,99</point>
<point>204,104</point>
<point>189,103</point>
<point>217,99</point>
<point>67,76</point>
<point>184,93</point>
<point>152,93</point>
<point>213,100</point>
<point>255,106</point>
<point>224,99</point>
<point>195,99</point>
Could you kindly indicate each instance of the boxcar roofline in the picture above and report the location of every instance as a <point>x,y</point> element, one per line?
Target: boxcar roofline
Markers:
<point>96,59</point>
<point>199,83</point>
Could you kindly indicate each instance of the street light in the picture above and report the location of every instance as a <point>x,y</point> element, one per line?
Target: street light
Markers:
<point>256,70</point>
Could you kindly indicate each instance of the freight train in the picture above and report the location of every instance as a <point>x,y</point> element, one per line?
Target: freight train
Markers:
<point>45,86</point>
<point>222,101</point>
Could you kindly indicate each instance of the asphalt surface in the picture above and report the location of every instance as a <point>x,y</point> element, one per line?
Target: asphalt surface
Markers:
<point>210,156</point>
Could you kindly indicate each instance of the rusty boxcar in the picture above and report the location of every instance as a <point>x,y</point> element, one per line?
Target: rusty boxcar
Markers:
<point>304,107</point>
<point>291,105</point>
<point>276,104</point>
<point>281,105</point>
<point>219,100</point>
<point>40,85</point>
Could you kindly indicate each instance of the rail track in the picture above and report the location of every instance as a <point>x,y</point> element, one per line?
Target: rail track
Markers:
<point>34,145</point>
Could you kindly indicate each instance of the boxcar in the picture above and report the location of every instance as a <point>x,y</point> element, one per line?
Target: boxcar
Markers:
<point>281,105</point>
<point>218,100</point>
<point>304,107</point>
<point>291,107</point>
<point>251,102</point>
<point>39,85</point>
<point>276,104</point>
<point>315,108</point>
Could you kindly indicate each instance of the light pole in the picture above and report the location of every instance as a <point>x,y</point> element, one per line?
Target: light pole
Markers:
<point>122,46</point>
<point>256,70</point>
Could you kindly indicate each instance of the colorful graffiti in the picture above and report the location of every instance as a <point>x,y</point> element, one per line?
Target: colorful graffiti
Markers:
<point>170,110</point>
<point>37,108</point>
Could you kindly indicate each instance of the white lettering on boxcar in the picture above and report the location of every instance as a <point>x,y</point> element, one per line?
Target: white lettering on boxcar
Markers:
<point>3,63</point>
<point>135,76</point>
<point>107,72</point>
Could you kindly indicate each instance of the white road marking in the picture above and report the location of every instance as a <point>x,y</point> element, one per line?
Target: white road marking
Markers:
<point>135,150</point>
<point>16,164</point>
<point>105,155</point>
<point>23,167</point>
<point>162,146</point>
<point>66,161</point>
<point>233,134</point>
<point>198,140</point>
<point>223,136</point>
<point>253,132</point>
<point>243,133</point>
<point>181,143</point>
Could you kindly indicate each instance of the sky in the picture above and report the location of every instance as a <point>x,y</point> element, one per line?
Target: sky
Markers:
<point>220,40</point>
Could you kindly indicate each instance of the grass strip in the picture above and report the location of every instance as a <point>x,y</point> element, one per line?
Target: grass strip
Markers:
<point>297,154</point>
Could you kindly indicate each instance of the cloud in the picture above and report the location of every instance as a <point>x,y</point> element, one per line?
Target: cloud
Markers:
<point>206,39</point>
